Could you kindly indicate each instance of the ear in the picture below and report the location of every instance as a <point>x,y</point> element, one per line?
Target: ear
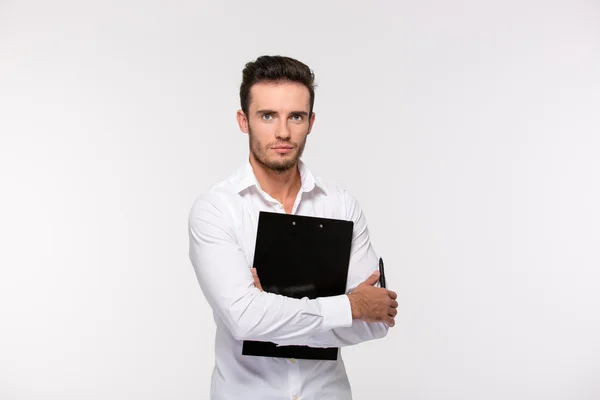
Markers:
<point>242,121</point>
<point>311,122</point>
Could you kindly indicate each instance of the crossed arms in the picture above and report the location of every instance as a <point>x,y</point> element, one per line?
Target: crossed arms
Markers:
<point>228,285</point>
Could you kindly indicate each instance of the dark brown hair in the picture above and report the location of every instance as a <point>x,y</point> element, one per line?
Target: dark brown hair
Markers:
<point>275,69</point>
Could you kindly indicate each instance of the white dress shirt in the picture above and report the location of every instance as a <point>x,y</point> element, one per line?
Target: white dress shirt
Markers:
<point>222,230</point>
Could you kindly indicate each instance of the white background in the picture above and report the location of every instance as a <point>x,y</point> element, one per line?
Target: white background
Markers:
<point>468,131</point>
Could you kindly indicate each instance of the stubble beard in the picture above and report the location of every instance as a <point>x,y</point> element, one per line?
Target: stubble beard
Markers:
<point>279,166</point>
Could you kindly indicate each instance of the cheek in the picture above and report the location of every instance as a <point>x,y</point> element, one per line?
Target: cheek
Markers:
<point>262,130</point>
<point>299,130</point>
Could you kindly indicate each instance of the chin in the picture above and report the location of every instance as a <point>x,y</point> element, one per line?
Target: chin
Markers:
<point>279,162</point>
<point>281,165</point>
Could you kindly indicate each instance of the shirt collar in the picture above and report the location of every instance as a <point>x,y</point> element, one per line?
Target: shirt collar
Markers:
<point>245,178</point>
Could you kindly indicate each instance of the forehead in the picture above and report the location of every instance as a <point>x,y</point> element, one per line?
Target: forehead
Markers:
<point>279,96</point>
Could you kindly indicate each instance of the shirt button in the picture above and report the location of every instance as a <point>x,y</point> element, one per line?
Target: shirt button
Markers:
<point>295,398</point>
<point>293,361</point>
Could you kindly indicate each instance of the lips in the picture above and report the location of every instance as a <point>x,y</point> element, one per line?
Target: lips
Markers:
<point>282,149</point>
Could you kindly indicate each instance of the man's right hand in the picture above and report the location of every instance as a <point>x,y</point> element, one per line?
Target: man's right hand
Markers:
<point>373,304</point>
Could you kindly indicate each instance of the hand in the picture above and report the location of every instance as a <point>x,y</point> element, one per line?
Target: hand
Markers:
<point>368,302</point>
<point>373,304</point>
<point>256,280</point>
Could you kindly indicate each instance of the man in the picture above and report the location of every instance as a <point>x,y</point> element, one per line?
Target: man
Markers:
<point>277,98</point>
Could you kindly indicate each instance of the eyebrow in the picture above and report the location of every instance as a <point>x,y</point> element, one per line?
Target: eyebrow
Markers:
<point>303,113</point>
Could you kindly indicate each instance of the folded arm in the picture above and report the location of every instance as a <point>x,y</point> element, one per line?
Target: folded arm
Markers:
<point>250,314</point>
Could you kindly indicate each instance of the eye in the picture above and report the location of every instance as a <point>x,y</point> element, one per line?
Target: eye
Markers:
<point>267,117</point>
<point>297,118</point>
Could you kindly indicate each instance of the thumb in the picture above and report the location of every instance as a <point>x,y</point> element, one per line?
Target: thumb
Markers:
<point>373,279</point>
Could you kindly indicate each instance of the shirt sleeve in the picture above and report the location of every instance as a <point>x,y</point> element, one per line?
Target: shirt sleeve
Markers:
<point>363,262</point>
<point>226,281</point>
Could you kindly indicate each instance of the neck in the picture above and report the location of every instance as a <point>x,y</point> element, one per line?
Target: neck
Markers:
<point>282,186</point>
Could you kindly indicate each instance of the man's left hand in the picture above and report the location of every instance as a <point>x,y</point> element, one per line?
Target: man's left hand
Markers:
<point>256,280</point>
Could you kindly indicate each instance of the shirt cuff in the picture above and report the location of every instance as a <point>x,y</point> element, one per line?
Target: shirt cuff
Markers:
<point>337,312</point>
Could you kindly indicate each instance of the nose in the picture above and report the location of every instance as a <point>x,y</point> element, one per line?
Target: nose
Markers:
<point>283,130</point>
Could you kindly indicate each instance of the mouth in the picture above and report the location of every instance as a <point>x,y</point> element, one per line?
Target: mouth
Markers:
<point>283,149</point>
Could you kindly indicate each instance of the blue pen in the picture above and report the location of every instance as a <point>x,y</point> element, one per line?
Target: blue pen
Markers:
<point>381,274</point>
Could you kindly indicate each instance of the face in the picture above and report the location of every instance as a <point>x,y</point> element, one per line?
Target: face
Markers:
<point>277,123</point>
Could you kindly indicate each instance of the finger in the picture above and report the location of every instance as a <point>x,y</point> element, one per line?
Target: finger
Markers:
<point>373,279</point>
<point>390,321</point>
<point>392,312</point>
<point>393,304</point>
<point>392,295</point>
<point>256,280</point>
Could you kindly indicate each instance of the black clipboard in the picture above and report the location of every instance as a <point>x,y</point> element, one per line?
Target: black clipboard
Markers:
<point>300,256</point>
